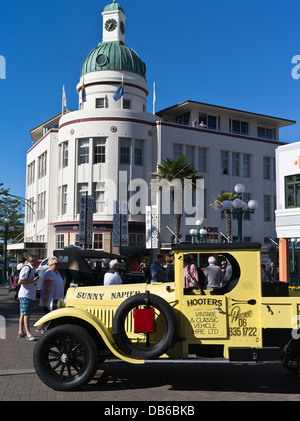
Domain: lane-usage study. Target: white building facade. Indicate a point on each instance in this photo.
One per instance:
(288, 209)
(105, 144)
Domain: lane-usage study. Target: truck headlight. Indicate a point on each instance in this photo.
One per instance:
(56, 304)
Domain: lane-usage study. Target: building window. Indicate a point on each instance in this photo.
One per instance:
(98, 193)
(138, 152)
(137, 240)
(267, 168)
(265, 133)
(246, 165)
(98, 241)
(84, 151)
(267, 208)
(177, 150)
(124, 151)
(64, 199)
(190, 154)
(235, 164)
(82, 189)
(29, 210)
(41, 205)
(63, 154)
(30, 173)
(292, 191)
(127, 104)
(211, 122)
(224, 163)
(100, 102)
(239, 127)
(42, 165)
(60, 241)
(99, 150)
(183, 119)
(202, 152)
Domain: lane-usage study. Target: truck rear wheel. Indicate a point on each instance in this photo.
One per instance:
(66, 357)
(146, 345)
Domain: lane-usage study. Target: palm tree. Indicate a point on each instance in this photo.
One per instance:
(176, 169)
(217, 205)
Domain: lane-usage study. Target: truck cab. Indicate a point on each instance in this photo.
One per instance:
(242, 320)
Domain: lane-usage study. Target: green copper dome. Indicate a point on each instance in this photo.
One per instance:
(113, 6)
(114, 55)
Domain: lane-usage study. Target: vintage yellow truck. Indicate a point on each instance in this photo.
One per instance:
(246, 320)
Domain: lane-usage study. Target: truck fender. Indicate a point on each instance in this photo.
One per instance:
(92, 320)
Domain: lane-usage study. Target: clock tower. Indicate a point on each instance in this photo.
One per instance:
(113, 23)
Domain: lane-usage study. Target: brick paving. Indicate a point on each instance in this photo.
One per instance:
(120, 382)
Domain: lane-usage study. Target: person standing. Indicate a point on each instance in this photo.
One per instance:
(170, 270)
(213, 274)
(27, 295)
(158, 274)
(52, 287)
(112, 276)
(190, 273)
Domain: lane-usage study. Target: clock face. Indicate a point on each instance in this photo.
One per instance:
(122, 26)
(101, 60)
(110, 25)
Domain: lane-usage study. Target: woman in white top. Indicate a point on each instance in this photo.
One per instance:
(52, 286)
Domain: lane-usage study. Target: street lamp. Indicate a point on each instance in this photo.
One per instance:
(239, 208)
(198, 233)
(6, 229)
(26, 202)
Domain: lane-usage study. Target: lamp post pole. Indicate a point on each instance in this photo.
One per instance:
(240, 208)
(199, 235)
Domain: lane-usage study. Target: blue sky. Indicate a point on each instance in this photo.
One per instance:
(232, 53)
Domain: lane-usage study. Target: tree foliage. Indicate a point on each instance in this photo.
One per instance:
(217, 205)
(13, 209)
(177, 169)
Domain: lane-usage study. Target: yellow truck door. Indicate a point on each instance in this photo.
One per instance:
(205, 316)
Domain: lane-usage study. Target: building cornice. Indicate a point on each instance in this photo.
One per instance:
(216, 132)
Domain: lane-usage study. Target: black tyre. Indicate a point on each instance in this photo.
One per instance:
(66, 357)
(150, 345)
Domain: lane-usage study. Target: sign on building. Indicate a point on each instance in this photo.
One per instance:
(116, 225)
(86, 209)
(152, 227)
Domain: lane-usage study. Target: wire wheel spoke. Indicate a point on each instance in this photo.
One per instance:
(65, 357)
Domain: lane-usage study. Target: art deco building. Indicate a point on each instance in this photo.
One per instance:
(105, 144)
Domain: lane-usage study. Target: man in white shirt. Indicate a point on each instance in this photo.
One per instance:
(112, 276)
(27, 294)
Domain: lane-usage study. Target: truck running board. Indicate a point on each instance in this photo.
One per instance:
(236, 355)
(254, 354)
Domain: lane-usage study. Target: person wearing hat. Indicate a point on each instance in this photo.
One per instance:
(112, 276)
(158, 274)
(170, 269)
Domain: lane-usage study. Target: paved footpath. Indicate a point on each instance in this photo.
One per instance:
(119, 382)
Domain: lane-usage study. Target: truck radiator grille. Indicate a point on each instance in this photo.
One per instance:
(106, 316)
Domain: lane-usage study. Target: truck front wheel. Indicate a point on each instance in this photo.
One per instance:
(65, 357)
